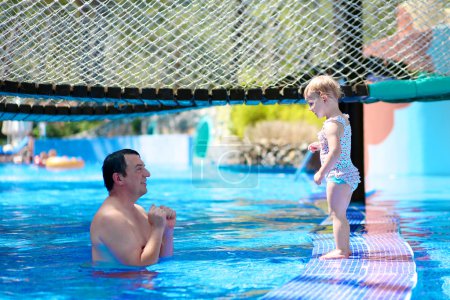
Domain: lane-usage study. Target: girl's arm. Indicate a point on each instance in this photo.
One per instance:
(313, 147)
(333, 132)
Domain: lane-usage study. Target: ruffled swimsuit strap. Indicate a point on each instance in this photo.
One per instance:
(340, 119)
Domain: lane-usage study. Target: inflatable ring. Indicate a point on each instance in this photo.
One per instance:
(64, 163)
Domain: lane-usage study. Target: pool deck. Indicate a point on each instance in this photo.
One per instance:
(381, 265)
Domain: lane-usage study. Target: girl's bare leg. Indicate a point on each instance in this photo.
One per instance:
(338, 198)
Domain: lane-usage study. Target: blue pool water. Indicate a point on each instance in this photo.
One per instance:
(235, 242)
(231, 241)
(423, 205)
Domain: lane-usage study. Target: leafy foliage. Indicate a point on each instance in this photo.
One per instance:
(62, 129)
(243, 116)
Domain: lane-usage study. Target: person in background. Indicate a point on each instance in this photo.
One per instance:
(52, 153)
(28, 153)
(122, 232)
(342, 177)
(40, 159)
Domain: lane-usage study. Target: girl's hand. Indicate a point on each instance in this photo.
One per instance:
(318, 177)
(313, 147)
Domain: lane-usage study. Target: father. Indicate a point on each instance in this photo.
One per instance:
(122, 231)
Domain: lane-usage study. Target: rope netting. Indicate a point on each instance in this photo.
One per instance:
(220, 44)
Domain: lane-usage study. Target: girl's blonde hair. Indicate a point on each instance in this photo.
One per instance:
(325, 84)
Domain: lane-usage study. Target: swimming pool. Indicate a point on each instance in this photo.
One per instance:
(229, 242)
(236, 242)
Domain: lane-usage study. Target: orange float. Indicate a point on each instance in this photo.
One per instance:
(63, 162)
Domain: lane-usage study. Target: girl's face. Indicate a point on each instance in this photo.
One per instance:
(316, 104)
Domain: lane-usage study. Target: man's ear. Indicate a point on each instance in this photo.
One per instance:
(117, 178)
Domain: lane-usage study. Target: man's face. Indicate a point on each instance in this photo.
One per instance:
(137, 174)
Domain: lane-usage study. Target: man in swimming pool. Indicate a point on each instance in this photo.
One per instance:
(122, 231)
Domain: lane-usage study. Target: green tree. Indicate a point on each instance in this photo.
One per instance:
(245, 115)
(62, 129)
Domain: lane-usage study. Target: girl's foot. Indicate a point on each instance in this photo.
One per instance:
(336, 254)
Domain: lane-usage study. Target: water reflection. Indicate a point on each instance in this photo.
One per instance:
(133, 279)
(423, 205)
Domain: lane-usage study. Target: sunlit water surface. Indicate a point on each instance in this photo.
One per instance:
(423, 204)
(233, 239)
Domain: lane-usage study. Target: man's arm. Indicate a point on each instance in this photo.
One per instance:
(167, 243)
(117, 235)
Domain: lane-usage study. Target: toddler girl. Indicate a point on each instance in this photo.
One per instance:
(342, 177)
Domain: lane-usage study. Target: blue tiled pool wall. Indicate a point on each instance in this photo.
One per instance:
(174, 149)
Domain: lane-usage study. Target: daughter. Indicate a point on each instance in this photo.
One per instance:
(342, 177)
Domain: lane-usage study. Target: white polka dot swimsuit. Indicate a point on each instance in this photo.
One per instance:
(343, 168)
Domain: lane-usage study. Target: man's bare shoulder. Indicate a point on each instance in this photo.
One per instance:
(108, 216)
(140, 209)
(108, 210)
